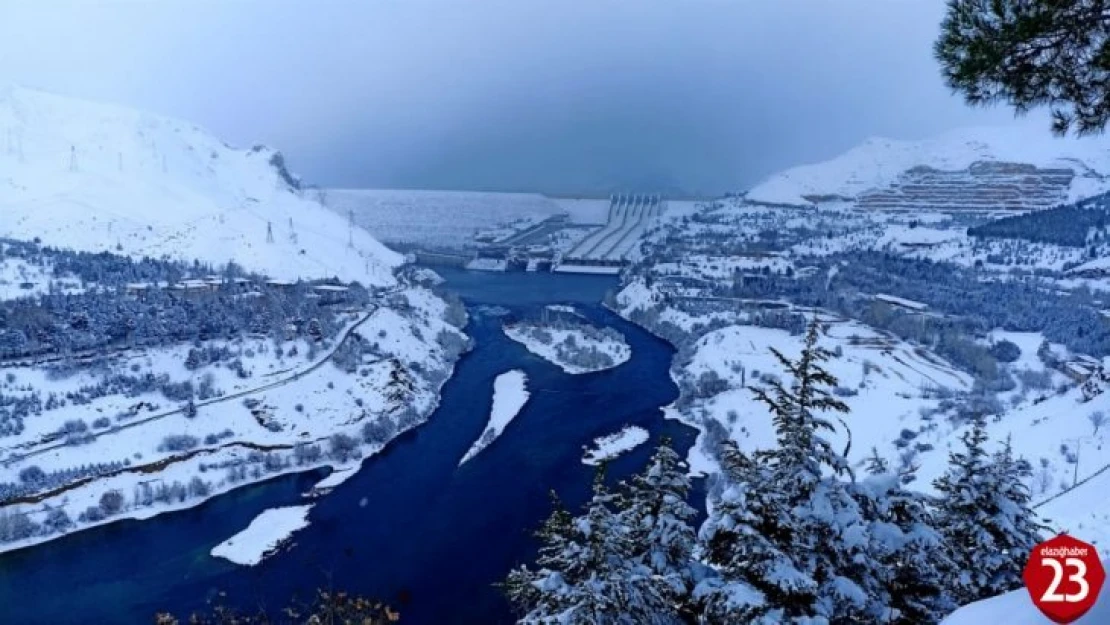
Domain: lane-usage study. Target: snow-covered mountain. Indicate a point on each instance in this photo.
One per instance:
(879, 164)
(98, 177)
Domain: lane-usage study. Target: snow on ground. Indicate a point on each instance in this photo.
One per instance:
(18, 278)
(1016, 608)
(245, 432)
(264, 534)
(1083, 512)
(510, 393)
(561, 346)
(328, 484)
(878, 161)
(882, 381)
(439, 219)
(97, 177)
(612, 445)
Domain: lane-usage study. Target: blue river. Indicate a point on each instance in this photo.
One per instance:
(412, 527)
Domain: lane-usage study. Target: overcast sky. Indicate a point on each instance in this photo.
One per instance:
(705, 96)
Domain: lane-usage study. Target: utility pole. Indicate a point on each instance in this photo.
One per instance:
(350, 227)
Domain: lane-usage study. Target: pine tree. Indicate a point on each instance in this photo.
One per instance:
(802, 451)
(656, 517)
(586, 574)
(985, 518)
(1030, 53)
(786, 533)
(913, 563)
(1016, 518)
(876, 464)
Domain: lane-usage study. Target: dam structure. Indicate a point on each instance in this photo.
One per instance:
(607, 250)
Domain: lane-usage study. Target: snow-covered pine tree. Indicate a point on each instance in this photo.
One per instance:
(914, 565)
(786, 525)
(802, 451)
(657, 519)
(586, 575)
(729, 541)
(985, 518)
(1013, 500)
(520, 586)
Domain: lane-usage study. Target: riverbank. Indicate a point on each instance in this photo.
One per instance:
(411, 526)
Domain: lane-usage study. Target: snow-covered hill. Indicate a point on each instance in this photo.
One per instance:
(99, 177)
(878, 163)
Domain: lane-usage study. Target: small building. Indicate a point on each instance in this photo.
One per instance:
(137, 289)
(901, 302)
(281, 285)
(1077, 370)
(330, 294)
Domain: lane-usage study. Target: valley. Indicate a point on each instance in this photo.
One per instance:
(261, 385)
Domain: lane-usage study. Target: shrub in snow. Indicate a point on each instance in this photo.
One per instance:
(111, 502)
(342, 447)
(198, 487)
(709, 383)
(32, 475)
(379, 431)
(16, 525)
(1097, 419)
(56, 521)
(1005, 351)
(304, 453)
(273, 462)
(299, 407)
(101, 422)
(74, 426)
(178, 442)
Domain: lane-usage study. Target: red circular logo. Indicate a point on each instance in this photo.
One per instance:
(1063, 577)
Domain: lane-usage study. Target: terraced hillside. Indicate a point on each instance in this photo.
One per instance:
(983, 185)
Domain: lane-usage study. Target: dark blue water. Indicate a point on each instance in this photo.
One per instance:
(431, 538)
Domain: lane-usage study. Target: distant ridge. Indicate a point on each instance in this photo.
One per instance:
(1009, 164)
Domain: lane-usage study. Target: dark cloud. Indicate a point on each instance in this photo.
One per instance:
(700, 95)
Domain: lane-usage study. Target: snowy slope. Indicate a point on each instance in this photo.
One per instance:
(98, 177)
(1016, 608)
(878, 161)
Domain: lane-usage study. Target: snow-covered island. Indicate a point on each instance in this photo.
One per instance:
(265, 534)
(574, 346)
(612, 445)
(510, 393)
